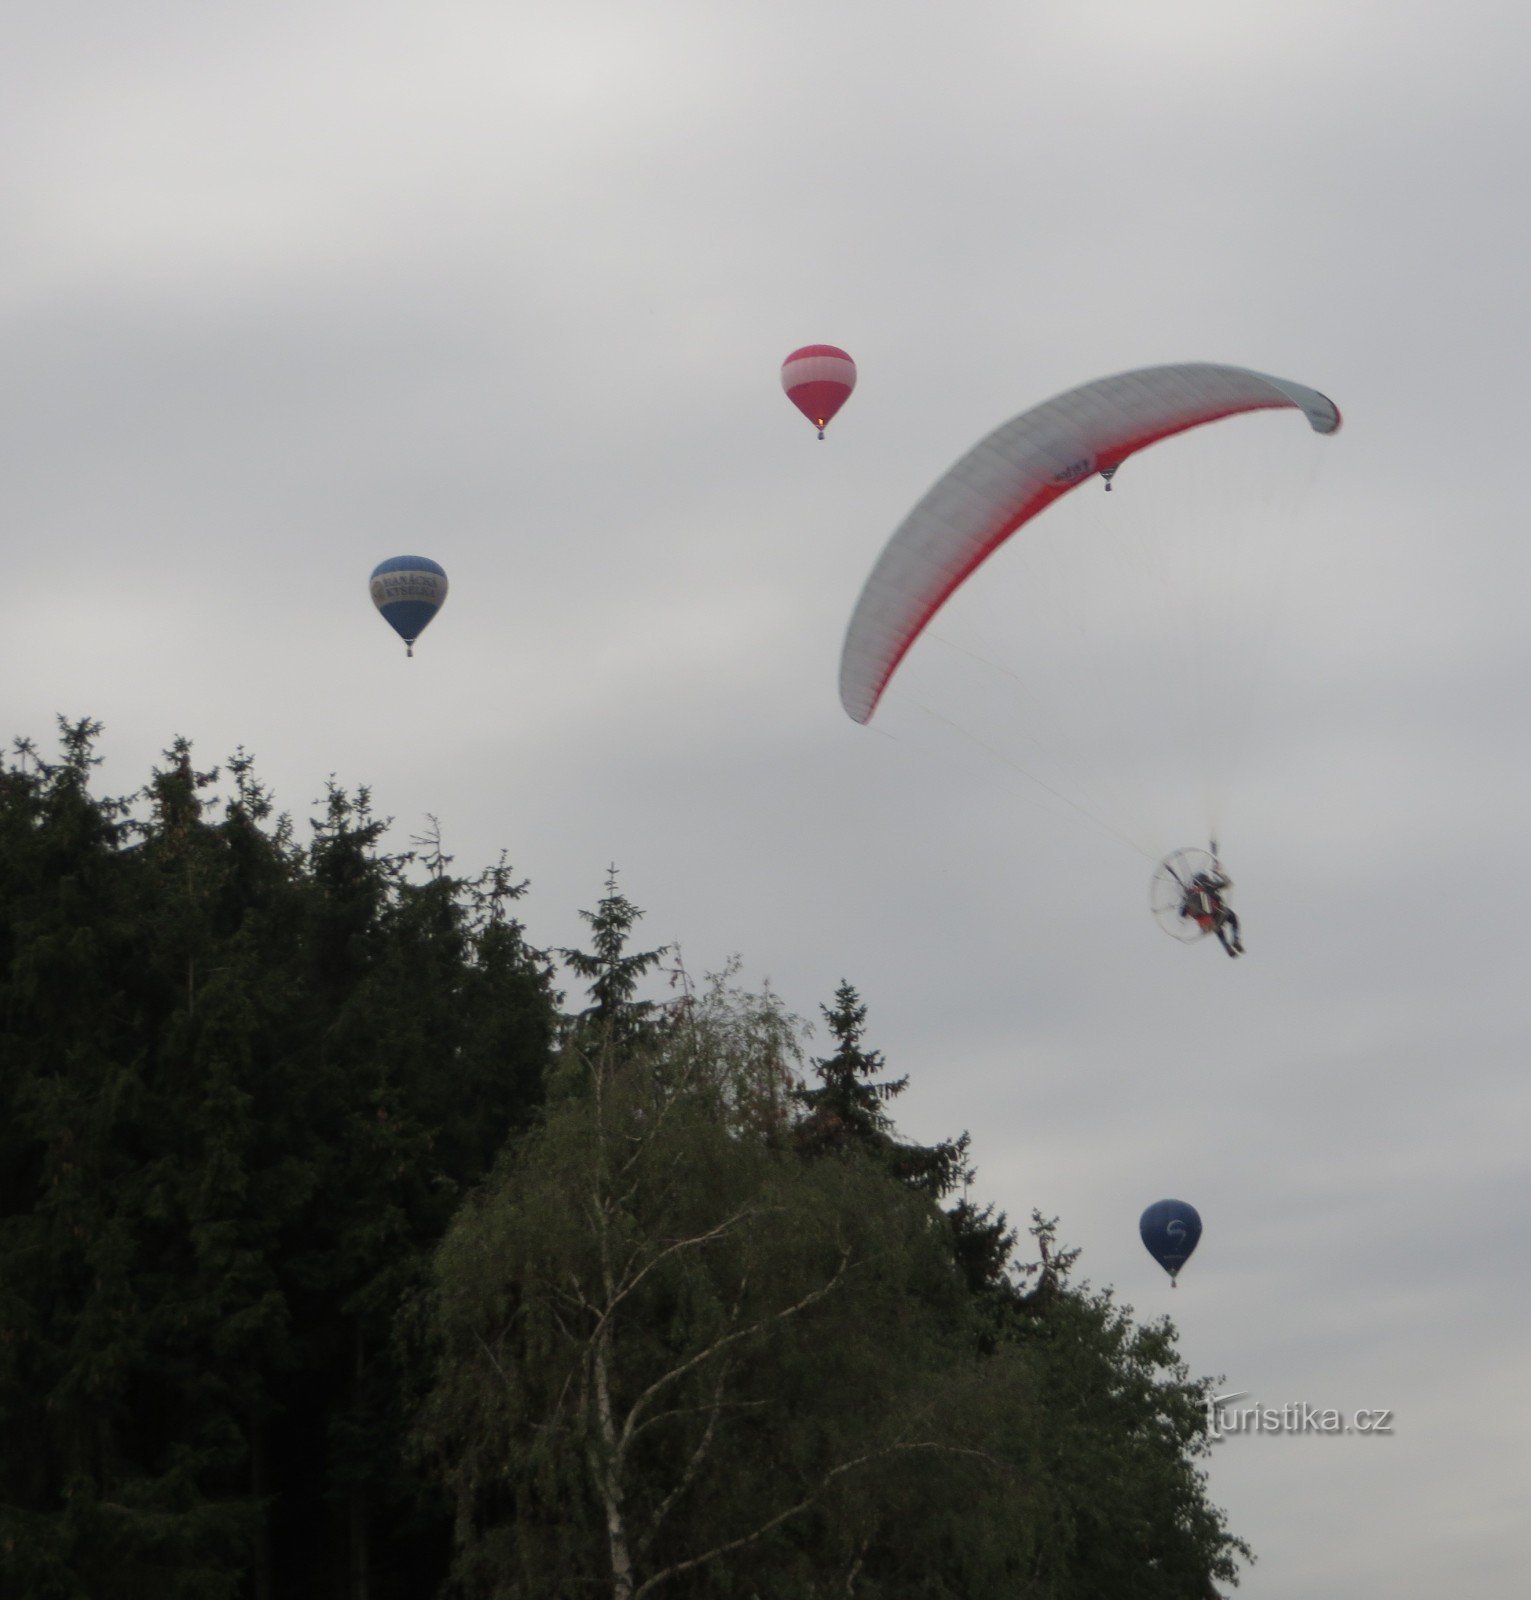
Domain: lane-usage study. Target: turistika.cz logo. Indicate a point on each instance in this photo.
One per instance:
(1225, 1416)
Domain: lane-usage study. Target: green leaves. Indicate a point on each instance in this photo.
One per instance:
(680, 1350)
(298, 1154)
(652, 1331)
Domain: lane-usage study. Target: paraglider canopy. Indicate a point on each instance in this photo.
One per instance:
(409, 591)
(818, 380)
(1170, 1231)
(1015, 474)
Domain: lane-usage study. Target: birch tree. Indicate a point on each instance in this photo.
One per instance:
(676, 1358)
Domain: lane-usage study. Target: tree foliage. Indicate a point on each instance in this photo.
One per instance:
(686, 1346)
(245, 1084)
(336, 1259)
(696, 1353)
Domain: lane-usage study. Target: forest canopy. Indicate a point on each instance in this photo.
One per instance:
(354, 1245)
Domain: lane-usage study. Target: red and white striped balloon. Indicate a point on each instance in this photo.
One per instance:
(818, 380)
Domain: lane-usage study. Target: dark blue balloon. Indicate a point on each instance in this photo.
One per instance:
(408, 590)
(1170, 1230)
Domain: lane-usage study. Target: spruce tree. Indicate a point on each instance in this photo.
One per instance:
(616, 1019)
(247, 1086)
(848, 1110)
(243, 1085)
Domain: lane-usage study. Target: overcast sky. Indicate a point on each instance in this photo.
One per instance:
(285, 291)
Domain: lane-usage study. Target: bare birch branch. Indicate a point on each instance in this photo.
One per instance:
(690, 1470)
(772, 1523)
(629, 1284)
(724, 1342)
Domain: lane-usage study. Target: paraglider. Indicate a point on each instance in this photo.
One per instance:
(818, 380)
(1188, 898)
(409, 591)
(1170, 1230)
(1015, 474)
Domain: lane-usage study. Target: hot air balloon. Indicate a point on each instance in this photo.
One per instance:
(1170, 1230)
(818, 380)
(409, 591)
(1016, 473)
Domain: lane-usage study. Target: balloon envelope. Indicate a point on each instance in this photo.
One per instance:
(1170, 1230)
(408, 590)
(818, 380)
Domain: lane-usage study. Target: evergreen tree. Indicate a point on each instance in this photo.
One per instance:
(848, 1108)
(676, 1353)
(696, 1327)
(427, 1034)
(242, 1088)
(136, 1308)
(616, 1018)
(848, 1111)
(1120, 1406)
(1124, 1508)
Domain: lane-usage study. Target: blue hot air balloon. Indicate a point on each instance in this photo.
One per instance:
(1170, 1229)
(408, 590)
